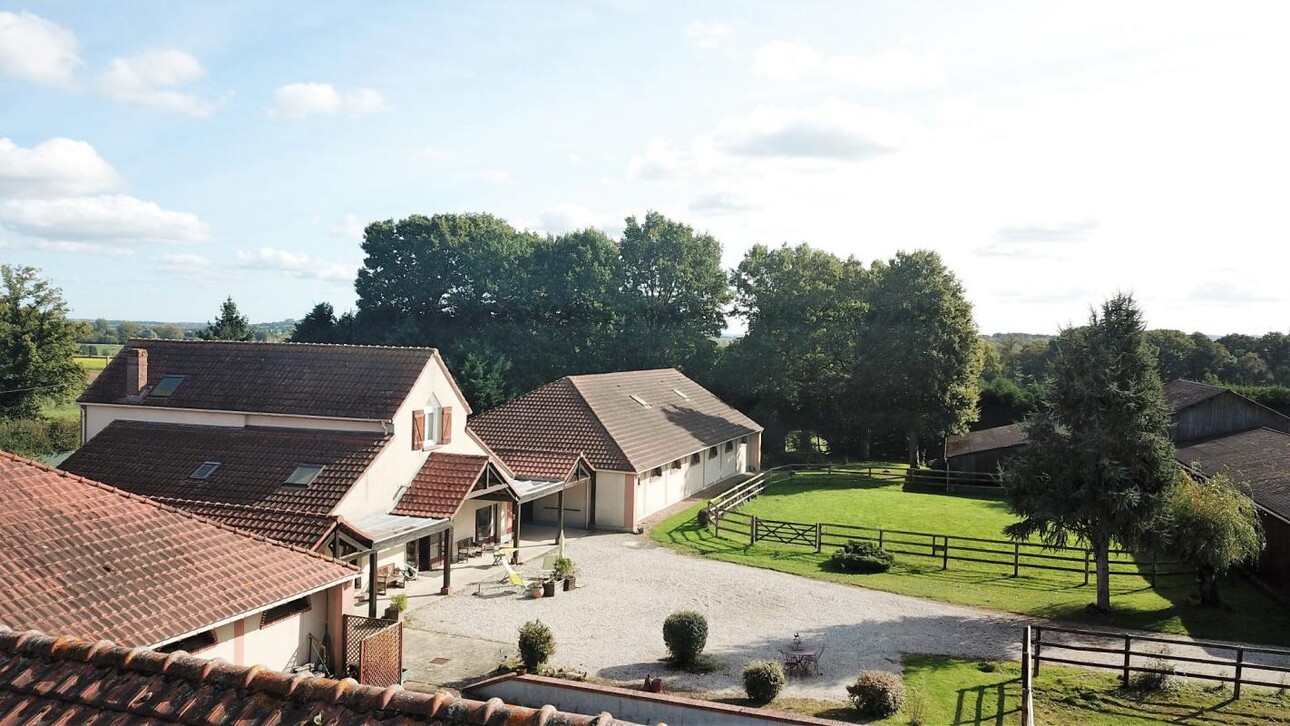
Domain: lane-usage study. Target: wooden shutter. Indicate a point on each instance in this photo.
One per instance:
(418, 429)
(445, 425)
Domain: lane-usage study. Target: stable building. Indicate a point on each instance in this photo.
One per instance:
(617, 447)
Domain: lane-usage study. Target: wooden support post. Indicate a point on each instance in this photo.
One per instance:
(1087, 555)
(515, 533)
(591, 505)
(752, 531)
(1027, 682)
(945, 552)
(879, 539)
(371, 584)
(1034, 656)
(819, 539)
(1240, 666)
(1016, 558)
(1128, 650)
(448, 554)
(559, 517)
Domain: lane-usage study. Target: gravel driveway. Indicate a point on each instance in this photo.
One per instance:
(612, 625)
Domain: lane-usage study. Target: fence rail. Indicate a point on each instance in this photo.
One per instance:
(1119, 655)
(723, 514)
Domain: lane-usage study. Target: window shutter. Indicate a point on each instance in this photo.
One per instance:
(445, 425)
(418, 429)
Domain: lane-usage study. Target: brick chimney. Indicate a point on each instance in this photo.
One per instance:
(136, 371)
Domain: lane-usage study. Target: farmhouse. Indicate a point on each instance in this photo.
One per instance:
(91, 561)
(621, 445)
(314, 445)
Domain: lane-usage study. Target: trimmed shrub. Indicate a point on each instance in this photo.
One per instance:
(537, 645)
(763, 680)
(862, 556)
(686, 633)
(877, 694)
(1163, 682)
(39, 436)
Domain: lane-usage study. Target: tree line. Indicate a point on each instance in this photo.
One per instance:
(884, 354)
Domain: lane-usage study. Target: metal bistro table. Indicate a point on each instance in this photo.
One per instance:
(802, 659)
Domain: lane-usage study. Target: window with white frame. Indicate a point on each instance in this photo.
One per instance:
(433, 425)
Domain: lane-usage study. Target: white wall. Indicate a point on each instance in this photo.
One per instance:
(280, 646)
(611, 503)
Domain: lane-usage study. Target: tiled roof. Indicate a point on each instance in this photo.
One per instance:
(441, 486)
(157, 460)
(348, 381)
(82, 558)
(999, 437)
(292, 526)
(603, 417)
(1181, 394)
(44, 680)
(540, 465)
(1259, 458)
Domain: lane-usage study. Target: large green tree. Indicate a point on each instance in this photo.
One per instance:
(1098, 464)
(319, 326)
(37, 344)
(918, 353)
(1213, 525)
(230, 325)
(673, 295)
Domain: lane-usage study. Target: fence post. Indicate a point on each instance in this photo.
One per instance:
(819, 538)
(880, 538)
(1087, 553)
(1153, 570)
(752, 531)
(1034, 657)
(1128, 646)
(945, 552)
(716, 522)
(1016, 558)
(1236, 683)
(1027, 682)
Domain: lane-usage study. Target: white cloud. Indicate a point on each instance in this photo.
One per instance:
(349, 227)
(57, 167)
(834, 130)
(659, 161)
(185, 265)
(115, 218)
(567, 218)
(37, 50)
(721, 202)
(433, 153)
(1039, 240)
(153, 79)
(80, 248)
(893, 70)
(295, 264)
(300, 100)
(493, 176)
(706, 35)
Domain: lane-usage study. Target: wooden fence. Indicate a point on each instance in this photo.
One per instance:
(1115, 651)
(723, 516)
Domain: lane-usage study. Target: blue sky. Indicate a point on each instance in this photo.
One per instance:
(156, 157)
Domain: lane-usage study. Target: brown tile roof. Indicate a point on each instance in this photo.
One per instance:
(291, 526)
(1181, 394)
(44, 680)
(1260, 458)
(999, 437)
(441, 486)
(536, 465)
(82, 558)
(157, 460)
(349, 381)
(598, 416)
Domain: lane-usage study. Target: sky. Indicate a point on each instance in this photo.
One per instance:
(158, 157)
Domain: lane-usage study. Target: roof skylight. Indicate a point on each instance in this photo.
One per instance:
(304, 475)
(166, 386)
(680, 393)
(638, 399)
(205, 470)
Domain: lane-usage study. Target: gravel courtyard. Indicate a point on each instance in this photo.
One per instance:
(612, 625)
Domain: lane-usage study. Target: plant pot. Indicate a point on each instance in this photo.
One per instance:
(570, 582)
(535, 591)
(393, 613)
(548, 588)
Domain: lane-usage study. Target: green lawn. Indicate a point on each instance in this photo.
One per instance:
(92, 363)
(1248, 614)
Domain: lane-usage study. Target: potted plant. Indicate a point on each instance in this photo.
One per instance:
(535, 589)
(567, 571)
(548, 587)
(398, 603)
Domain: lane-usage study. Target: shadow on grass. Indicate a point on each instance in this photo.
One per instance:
(988, 704)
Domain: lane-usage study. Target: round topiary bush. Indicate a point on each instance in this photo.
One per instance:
(537, 645)
(860, 556)
(877, 694)
(686, 633)
(763, 680)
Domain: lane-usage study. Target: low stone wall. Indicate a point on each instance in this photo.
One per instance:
(628, 705)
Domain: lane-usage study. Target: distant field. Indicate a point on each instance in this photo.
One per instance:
(92, 363)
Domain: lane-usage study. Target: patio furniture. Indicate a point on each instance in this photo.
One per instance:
(512, 581)
(387, 576)
(499, 553)
(801, 659)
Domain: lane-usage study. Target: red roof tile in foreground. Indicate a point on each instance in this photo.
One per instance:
(71, 681)
(291, 526)
(300, 379)
(441, 486)
(628, 421)
(82, 558)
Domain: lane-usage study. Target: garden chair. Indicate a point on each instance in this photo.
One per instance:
(811, 661)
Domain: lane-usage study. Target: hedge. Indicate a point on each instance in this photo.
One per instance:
(39, 436)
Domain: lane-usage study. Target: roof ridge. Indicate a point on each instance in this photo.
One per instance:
(284, 343)
(167, 508)
(606, 374)
(258, 507)
(222, 675)
(595, 417)
(254, 427)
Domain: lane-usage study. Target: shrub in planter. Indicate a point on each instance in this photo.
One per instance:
(861, 556)
(763, 680)
(877, 694)
(537, 645)
(686, 633)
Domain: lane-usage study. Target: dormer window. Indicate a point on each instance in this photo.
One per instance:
(166, 386)
(205, 470)
(431, 425)
(304, 475)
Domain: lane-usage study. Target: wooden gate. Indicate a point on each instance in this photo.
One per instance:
(373, 650)
(785, 532)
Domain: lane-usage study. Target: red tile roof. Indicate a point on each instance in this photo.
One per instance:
(82, 558)
(602, 416)
(44, 680)
(536, 465)
(1259, 459)
(304, 379)
(157, 460)
(441, 486)
(291, 526)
